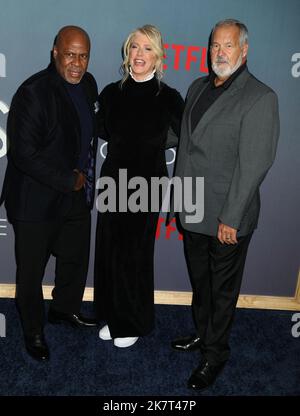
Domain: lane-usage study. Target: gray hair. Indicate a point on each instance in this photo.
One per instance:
(233, 22)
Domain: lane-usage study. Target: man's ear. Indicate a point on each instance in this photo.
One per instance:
(54, 52)
(245, 50)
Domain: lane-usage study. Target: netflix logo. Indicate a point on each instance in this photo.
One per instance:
(185, 57)
(166, 232)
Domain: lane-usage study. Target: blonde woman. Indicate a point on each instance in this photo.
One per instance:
(134, 116)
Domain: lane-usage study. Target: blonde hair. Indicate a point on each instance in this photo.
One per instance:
(155, 38)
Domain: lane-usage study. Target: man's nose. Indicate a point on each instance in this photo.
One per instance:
(221, 51)
(76, 60)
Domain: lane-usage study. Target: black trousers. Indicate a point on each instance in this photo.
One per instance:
(215, 272)
(68, 239)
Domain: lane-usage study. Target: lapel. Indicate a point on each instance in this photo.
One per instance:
(193, 98)
(220, 103)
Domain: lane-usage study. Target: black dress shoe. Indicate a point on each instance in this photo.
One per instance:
(36, 347)
(205, 375)
(55, 317)
(190, 343)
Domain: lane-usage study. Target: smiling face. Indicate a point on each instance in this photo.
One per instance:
(71, 55)
(226, 53)
(142, 58)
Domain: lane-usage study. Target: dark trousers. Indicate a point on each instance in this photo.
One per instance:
(68, 239)
(215, 272)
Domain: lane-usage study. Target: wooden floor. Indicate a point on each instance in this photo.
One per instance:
(184, 298)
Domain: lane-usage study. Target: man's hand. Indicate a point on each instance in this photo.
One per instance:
(80, 180)
(227, 234)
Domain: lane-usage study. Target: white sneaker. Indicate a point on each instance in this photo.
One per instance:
(125, 342)
(104, 333)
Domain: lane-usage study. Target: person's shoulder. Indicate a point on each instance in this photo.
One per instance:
(198, 81)
(258, 87)
(171, 96)
(110, 89)
(35, 85)
(253, 91)
(167, 90)
(36, 79)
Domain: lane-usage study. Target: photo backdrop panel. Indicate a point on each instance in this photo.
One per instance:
(27, 32)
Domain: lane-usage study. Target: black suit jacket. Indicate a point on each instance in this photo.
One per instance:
(43, 130)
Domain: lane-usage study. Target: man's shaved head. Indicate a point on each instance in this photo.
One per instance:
(68, 31)
(71, 53)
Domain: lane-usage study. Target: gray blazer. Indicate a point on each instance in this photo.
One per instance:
(232, 147)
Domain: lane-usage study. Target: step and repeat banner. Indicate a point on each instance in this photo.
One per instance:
(27, 31)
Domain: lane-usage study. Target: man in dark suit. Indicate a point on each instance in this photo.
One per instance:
(229, 136)
(49, 185)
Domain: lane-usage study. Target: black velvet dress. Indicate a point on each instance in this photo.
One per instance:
(135, 120)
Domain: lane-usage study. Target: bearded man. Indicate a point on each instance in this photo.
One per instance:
(229, 136)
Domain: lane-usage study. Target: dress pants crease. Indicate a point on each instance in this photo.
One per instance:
(215, 271)
(67, 238)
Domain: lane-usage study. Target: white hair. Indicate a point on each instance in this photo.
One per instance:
(233, 22)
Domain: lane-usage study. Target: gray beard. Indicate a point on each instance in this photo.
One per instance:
(227, 72)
